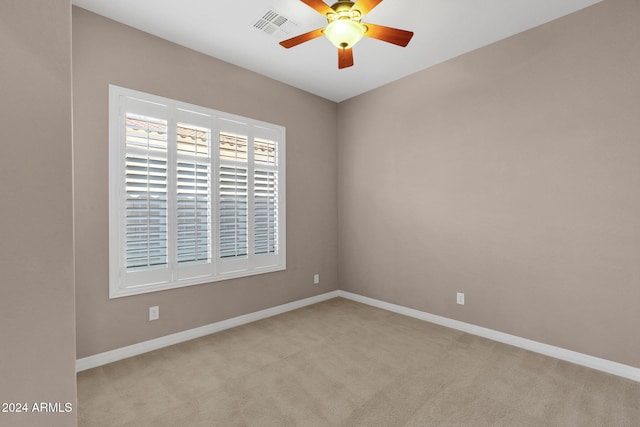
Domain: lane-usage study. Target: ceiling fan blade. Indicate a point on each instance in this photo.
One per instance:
(388, 34)
(345, 58)
(295, 41)
(319, 6)
(365, 6)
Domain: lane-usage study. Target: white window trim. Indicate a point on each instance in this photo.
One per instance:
(253, 264)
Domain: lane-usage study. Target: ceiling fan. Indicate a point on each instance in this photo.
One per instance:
(345, 28)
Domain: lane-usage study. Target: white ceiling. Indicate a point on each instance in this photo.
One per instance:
(225, 29)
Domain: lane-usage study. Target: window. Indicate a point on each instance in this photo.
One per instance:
(195, 195)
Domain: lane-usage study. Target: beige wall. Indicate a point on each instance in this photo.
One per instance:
(37, 337)
(511, 174)
(106, 52)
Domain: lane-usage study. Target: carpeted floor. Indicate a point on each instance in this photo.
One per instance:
(341, 363)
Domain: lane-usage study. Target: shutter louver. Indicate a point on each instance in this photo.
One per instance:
(193, 194)
(145, 192)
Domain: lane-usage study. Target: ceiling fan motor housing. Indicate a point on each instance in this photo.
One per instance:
(342, 6)
(344, 10)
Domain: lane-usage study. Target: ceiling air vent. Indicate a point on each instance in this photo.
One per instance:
(275, 24)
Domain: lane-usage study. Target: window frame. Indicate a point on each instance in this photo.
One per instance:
(125, 283)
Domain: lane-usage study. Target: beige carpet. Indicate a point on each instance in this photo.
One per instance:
(341, 363)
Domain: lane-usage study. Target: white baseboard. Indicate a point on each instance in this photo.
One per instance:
(604, 365)
(597, 363)
(154, 344)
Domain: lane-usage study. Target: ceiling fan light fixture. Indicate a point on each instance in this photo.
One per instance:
(344, 33)
(345, 28)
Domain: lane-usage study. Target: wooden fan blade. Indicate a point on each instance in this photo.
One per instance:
(365, 6)
(319, 6)
(295, 41)
(388, 34)
(345, 58)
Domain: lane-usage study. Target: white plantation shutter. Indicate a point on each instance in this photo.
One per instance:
(265, 211)
(194, 213)
(195, 195)
(234, 190)
(233, 212)
(233, 196)
(146, 192)
(265, 197)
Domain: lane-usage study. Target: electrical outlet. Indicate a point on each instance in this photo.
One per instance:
(316, 279)
(154, 313)
(460, 298)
